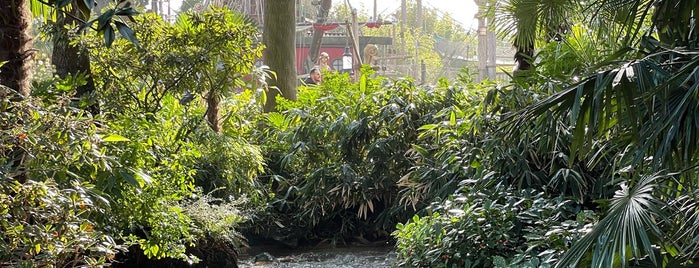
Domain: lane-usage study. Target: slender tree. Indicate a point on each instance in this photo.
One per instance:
(15, 68)
(280, 53)
(525, 21)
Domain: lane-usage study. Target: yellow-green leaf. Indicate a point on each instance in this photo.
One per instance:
(114, 137)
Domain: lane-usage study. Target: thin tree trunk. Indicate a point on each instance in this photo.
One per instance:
(15, 47)
(212, 111)
(154, 7)
(280, 54)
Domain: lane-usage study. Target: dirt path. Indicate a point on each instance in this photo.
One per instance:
(325, 257)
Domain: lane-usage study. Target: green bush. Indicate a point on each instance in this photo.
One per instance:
(56, 162)
(491, 226)
(215, 222)
(126, 181)
(183, 170)
(45, 225)
(335, 155)
(228, 164)
(168, 97)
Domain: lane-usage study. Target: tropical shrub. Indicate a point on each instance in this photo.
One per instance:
(449, 149)
(165, 218)
(170, 111)
(469, 148)
(201, 56)
(214, 222)
(633, 112)
(607, 123)
(49, 225)
(55, 163)
(490, 225)
(335, 155)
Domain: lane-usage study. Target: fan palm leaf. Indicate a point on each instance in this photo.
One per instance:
(629, 226)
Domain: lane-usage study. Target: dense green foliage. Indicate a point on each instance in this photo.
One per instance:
(586, 159)
(58, 217)
(139, 174)
(334, 156)
(491, 226)
(584, 128)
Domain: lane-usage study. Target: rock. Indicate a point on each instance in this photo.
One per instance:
(264, 258)
(286, 259)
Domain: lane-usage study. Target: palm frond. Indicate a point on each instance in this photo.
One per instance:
(517, 14)
(630, 226)
(619, 21)
(676, 21)
(651, 103)
(41, 9)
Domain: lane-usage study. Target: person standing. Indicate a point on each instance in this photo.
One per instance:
(324, 58)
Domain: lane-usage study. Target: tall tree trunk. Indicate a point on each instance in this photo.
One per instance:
(70, 59)
(15, 46)
(15, 73)
(317, 41)
(280, 54)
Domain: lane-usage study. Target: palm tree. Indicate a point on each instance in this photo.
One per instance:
(642, 103)
(523, 21)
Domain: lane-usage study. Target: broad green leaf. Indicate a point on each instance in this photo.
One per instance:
(126, 12)
(126, 32)
(63, 3)
(104, 19)
(85, 6)
(362, 83)
(428, 127)
(89, 3)
(143, 177)
(86, 25)
(114, 138)
(135, 177)
(108, 36)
